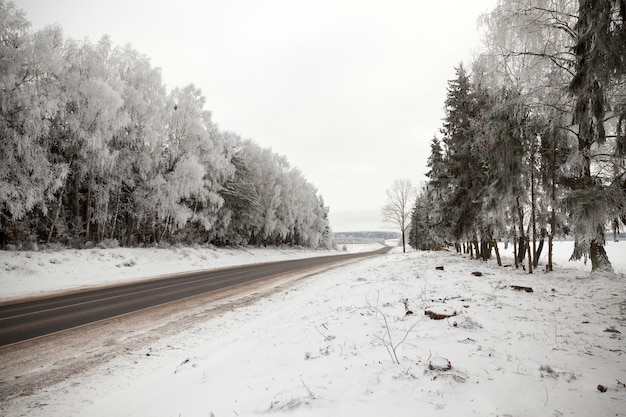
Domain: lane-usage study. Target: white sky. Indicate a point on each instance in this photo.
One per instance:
(350, 91)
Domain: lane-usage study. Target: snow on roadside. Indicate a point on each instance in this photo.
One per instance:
(323, 349)
(30, 273)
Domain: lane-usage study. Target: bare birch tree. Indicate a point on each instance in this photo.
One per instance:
(397, 208)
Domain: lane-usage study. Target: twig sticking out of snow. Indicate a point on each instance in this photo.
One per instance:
(387, 339)
(407, 310)
(186, 361)
(311, 395)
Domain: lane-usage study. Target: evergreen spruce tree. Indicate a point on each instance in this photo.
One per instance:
(463, 159)
(599, 63)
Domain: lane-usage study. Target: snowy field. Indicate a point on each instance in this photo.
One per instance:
(328, 346)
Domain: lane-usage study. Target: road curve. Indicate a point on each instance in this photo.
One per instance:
(20, 321)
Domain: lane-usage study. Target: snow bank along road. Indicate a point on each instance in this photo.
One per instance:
(28, 319)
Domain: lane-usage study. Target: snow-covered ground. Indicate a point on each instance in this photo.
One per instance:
(323, 347)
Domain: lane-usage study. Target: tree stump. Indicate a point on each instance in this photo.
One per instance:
(439, 364)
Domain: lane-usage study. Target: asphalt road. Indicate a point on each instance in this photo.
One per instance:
(25, 320)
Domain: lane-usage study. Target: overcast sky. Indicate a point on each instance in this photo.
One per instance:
(351, 92)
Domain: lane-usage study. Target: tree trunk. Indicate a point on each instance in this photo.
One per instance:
(486, 244)
(131, 228)
(403, 242)
(494, 244)
(550, 240)
(477, 248)
(78, 229)
(88, 215)
(117, 211)
(515, 248)
(533, 216)
(56, 213)
(599, 258)
(60, 203)
(549, 267)
(523, 239)
(538, 253)
(521, 249)
(165, 227)
(530, 259)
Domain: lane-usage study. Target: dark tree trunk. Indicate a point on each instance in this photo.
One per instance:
(515, 249)
(494, 244)
(521, 249)
(599, 258)
(539, 250)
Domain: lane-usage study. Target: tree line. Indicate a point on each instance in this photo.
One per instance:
(533, 142)
(95, 148)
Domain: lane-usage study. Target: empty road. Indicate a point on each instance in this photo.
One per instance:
(25, 320)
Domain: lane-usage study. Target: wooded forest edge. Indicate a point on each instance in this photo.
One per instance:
(96, 151)
(533, 142)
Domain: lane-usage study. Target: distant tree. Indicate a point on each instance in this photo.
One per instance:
(397, 208)
(435, 193)
(423, 230)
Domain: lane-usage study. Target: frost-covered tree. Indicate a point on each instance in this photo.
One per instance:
(92, 116)
(276, 201)
(424, 233)
(435, 193)
(574, 46)
(29, 102)
(137, 147)
(241, 208)
(94, 148)
(195, 162)
(599, 64)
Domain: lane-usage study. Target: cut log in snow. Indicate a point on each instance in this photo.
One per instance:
(612, 329)
(477, 274)
(440, 314)
(440, 268)
(521, 288)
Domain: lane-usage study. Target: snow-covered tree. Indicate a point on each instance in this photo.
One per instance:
(94, 147)
(138, 146)
(30, 65)
(579, 45)
(463, 159)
